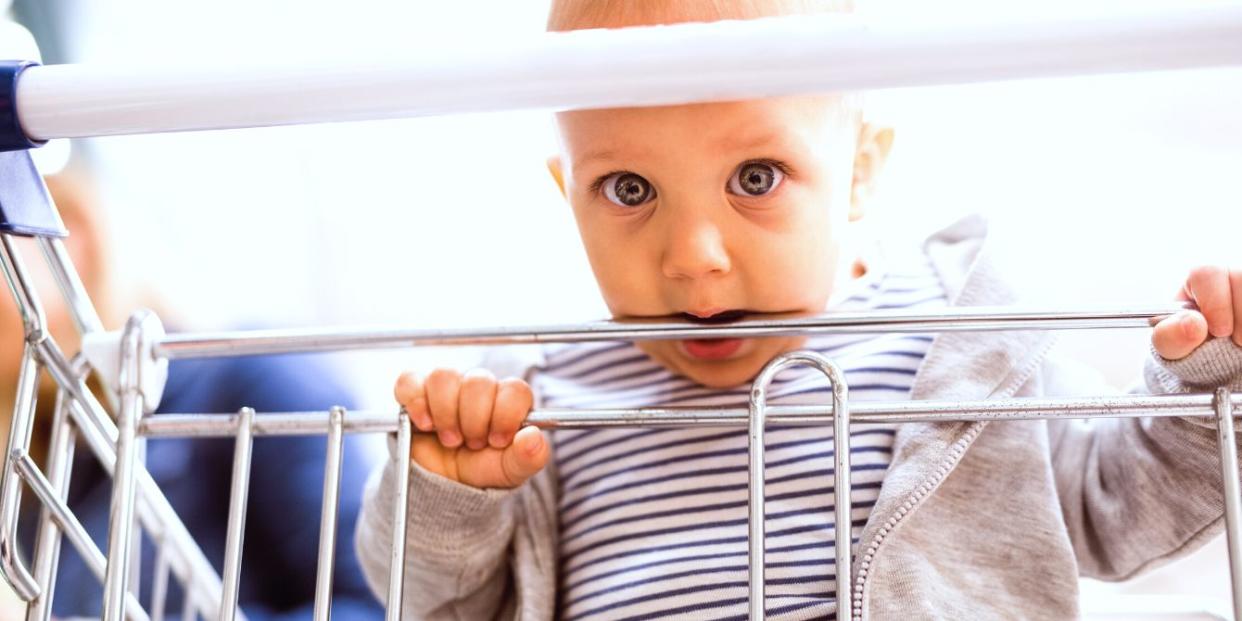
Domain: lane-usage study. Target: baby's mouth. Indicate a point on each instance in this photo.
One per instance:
(721, 317)
(716, 348)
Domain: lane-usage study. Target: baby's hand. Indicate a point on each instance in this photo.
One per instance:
(476, 420)
(1217, 291)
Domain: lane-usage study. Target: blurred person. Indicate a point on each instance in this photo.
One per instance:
(282, 520)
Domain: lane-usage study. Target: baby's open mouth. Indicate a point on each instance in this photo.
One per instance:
(721, 317)
(713, 349)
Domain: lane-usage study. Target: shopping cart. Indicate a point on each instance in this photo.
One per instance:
(38, 103)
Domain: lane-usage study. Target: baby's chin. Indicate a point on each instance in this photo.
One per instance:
(732, 371)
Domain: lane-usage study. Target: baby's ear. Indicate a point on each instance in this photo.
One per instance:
(874, 143)
(554, 167)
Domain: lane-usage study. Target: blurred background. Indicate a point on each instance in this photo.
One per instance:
(1112, 186)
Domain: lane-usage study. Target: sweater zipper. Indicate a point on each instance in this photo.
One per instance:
(955, 454)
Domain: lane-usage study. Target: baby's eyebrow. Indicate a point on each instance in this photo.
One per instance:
(592, 156)
(742, 142)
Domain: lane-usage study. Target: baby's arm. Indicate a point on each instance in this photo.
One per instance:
(462, 501)
(1136, 493)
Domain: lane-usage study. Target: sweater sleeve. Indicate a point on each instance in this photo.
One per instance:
(456, 549)
(1139, 492)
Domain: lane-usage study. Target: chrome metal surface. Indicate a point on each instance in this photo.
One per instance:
(953, 319)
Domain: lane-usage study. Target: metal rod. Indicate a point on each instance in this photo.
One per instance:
(1233, 493)
(73, 530)
(843, 483)
(121, 509)
(238, 497)
(83, 312)
(188, 612)
(758, 413)
(396, 562)
(47, 540)
(328, 514)
(20, 427)
(25, 297)
(157, 515)
(647, 66)
(159, 586)
(386, 421)
(274, 424)
(134, 582)
(21, 287)
(756, 517)
(979, 318)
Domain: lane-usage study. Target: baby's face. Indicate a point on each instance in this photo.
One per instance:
(712, 210)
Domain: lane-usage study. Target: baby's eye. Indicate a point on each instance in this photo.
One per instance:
(627, 189)
(755, 179)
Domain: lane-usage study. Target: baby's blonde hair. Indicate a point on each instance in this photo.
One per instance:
(584, 14)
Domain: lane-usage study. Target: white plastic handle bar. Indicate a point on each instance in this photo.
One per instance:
(625, 67)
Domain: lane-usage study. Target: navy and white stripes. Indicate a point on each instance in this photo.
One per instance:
(653, 521)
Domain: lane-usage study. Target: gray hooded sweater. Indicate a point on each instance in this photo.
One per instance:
(974, 520)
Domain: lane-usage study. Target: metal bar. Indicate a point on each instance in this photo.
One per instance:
(1233, 493)
(980, 318)
(47, 540)
(34, 322)
(328, 514)
(187, 601)
(396, 560)
(134, 582)
(83, 312)
(158, 517)
(275, 424)
(842, 485)
(758, 414)
(238, 497)
(647, 66)
(756, 516)
(121, 509)
(385, 421)
(20, 427)
(159, 586)
(73, 530)
(21, 289)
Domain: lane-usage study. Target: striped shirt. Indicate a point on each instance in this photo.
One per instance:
(653, 521)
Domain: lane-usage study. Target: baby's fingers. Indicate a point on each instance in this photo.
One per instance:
(504, 468)
(513, 402)
(443, 388)
(478, 397)
(1179, 334)
(1209, 287)
(525, 457)
(409, 393)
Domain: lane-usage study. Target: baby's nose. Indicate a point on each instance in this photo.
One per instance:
(695, 249)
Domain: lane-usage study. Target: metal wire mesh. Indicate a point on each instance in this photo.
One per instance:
(138, 504)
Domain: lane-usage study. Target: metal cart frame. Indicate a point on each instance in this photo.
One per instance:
(38, 103)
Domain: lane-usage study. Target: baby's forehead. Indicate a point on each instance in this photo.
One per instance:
(723, 126)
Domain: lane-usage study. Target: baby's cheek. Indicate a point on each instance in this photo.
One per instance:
(799, 273)
(628, 290)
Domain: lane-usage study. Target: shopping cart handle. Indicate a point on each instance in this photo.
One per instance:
(12, 136)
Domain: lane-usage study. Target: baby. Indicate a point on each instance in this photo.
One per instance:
(719, 210)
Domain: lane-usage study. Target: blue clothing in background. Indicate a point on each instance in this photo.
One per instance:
(286, 487)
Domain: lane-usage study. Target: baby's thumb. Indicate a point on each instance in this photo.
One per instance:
(525, 456)
(1178, 335)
